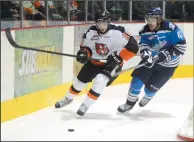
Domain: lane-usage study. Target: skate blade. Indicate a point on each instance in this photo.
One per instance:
(125, 112)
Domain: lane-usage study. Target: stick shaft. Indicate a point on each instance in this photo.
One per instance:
(134, 67)
(15, 45)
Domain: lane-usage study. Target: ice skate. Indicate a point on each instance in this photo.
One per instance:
(82, 110)
(144, 101)
(127, 106)
(63, 102)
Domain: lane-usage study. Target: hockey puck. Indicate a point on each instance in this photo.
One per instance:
(70, 130)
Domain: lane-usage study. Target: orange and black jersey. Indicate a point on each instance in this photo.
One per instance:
(116, 38)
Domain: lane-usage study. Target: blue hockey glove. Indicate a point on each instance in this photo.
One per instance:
(146, 56)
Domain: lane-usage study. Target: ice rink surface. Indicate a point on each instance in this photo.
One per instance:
(159, 120)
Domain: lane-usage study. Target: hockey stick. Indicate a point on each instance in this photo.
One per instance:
(134, 67)
(14, 44)
(125, 70)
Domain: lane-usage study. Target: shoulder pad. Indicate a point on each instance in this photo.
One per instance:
(144, 29)
(119, 28)
(166, 25)
(93, 27)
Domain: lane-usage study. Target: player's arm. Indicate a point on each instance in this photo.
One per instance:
(130, 48)
(84, 52)
(144, 41)
(178, 41)
(144, 49)
(116, 59)
(178, 46)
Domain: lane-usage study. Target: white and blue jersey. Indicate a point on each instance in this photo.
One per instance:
(169, 37)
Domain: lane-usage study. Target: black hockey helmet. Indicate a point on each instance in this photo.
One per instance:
(102, 15)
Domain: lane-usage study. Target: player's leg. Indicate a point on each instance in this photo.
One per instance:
(86, 74)
(100, 82)
(132, 96)
(98, 86)
(155, 83)
(140, 77)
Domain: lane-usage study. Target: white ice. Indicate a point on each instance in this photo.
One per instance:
(159, 120)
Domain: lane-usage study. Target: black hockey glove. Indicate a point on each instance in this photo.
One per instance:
(112, 79)
(113, 61)
(164, 56)
(82, 55)
(146, 56)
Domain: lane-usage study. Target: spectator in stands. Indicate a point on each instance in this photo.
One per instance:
(138, 11)
(81, 11)
(140, 7)
(41, 7)
(62, 7)
(73, 10)
(115, 9)
(93, 7)
(31, 13)
(10, 10)
(125, 8)
(190, 10)
(10, 14)
(36, 11)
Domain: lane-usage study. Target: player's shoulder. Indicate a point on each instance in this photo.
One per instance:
(117, 28)
(92, 29)
(120, 31)
(167, 25)
(144, 29)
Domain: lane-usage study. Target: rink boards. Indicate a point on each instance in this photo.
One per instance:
(32, 81)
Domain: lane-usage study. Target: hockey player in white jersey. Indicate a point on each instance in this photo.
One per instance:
(159, 39)
(102, 41)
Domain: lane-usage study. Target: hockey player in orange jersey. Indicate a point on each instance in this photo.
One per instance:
(102, 41)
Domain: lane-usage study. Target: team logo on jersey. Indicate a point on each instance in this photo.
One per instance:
(157, 42)
(95, 37)
(101, 49)
(152, 37)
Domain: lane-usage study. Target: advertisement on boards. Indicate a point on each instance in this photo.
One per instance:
(35, 71)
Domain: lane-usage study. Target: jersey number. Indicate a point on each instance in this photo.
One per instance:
(180, 35)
